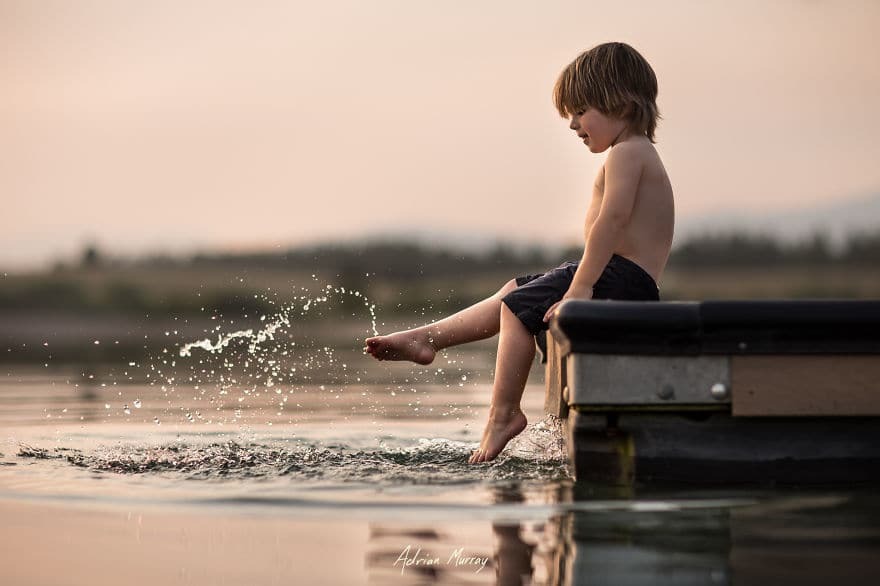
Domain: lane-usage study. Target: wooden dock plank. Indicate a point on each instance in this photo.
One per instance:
(555, 402)
(805, 385)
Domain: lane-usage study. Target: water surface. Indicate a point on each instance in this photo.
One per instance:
(334, 480)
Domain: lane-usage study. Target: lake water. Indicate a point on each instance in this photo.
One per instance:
(320, 466)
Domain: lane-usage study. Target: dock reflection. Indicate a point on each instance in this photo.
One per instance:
(675, 538)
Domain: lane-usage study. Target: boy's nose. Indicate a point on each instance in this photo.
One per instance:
(573, 124)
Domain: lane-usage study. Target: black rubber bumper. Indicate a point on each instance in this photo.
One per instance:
(719, 327)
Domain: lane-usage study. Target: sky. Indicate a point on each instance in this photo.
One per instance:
(179, 126)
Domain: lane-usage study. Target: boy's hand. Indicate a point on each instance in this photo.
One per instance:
(552, 310)
(569, 295)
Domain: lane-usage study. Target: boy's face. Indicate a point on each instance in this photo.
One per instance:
(597, 130)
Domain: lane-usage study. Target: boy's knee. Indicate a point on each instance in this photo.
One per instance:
(507, 288)
(506, 312)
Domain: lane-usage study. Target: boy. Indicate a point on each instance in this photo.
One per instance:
(609, 93)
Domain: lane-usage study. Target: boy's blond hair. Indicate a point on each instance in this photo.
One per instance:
(614, 79)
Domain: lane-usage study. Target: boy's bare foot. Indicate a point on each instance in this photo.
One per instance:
(411, 345)
(503, 426)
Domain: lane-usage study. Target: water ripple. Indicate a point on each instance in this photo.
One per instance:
(432, 461)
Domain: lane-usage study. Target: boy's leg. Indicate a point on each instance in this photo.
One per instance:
(477, 322)
(516, 351)
(621, 279)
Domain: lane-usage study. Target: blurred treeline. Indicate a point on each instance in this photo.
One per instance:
(128, 301)
(756, 250)
(406, 276)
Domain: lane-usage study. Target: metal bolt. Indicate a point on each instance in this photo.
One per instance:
(719, 391)
(666, 393)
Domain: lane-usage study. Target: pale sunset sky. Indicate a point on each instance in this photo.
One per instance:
(178, 126)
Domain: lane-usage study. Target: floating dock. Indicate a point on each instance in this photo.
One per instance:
(718, 391)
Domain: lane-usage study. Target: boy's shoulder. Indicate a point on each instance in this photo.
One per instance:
(634, 147)
(630, 154)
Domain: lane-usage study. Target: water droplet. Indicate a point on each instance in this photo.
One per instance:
(126, 409)
(137, 403)
(156, 421)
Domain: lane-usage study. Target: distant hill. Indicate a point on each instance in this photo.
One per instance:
(837, 220)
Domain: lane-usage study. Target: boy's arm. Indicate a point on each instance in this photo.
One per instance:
(623, 169)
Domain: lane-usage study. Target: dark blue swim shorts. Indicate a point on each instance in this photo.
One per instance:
(622, 279)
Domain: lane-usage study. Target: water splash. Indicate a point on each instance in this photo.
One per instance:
(544, 440)
(281, 319)
(258, 369)
(431, 461)
(222, 342)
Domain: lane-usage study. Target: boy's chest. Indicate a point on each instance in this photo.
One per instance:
(597, 196)
(599, 183)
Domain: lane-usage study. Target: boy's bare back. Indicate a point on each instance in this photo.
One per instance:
(647, 236)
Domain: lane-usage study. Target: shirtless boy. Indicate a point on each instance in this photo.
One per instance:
(609, 94)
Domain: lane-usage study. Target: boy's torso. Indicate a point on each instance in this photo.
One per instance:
(647, 236)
